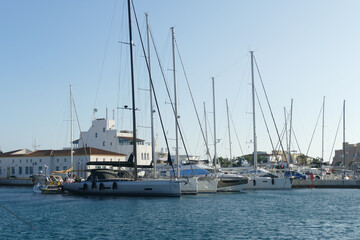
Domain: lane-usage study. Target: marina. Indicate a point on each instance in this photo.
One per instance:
(272, 154)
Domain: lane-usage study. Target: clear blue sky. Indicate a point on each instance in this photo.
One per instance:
(305, 50)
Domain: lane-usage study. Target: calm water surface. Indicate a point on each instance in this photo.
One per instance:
(294, 214)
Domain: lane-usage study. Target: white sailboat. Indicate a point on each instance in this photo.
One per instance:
(258, 182)
(102, 182)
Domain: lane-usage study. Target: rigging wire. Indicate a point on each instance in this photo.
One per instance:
(312, 136)
(267, 99)
(17, 216)
(337, 130)
(192, 97)
(237, 137)
(105, 53)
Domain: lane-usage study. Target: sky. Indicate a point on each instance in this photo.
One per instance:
(305, 51)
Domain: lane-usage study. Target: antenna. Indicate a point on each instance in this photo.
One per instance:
(95, 111)
(34, 145)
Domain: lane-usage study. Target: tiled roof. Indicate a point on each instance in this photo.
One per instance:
(66, 152)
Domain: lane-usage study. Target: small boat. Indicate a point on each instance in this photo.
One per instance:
(48, 184)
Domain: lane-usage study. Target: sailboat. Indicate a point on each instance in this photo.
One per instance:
(257, 181)
(106, 182)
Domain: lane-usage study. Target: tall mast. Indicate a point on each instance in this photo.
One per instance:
(175, 103)
(253, 103)
(71, 130)
(290, 130)
(286, 135)
(227, 110)
(323, 131)
(215, 155)
(206, 135)
(344, 151)
(132, 92)
(151, 100)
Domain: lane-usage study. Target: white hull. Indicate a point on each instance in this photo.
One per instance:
(190, 186)
(207, 185)
(267, 183)
(147, 188)
(231, 184)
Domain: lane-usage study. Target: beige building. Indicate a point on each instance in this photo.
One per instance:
(352, 155)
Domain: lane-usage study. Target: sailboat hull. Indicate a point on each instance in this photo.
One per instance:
(267, 183)
(151, 188)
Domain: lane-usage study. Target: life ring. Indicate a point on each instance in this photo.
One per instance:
(101, 186)
(85, 187)
(114, 186)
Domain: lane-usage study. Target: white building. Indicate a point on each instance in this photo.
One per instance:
(103, 135)
(22, 164)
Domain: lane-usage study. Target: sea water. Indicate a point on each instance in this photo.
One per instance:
(291, 214)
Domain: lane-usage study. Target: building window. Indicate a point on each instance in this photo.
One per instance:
(40, 160)
(64, 168)
(20, 170)
(14, 160)
(103, 159)
(96, 159)
(95, 135)
(142, 156)
(31, 160)
(13, 170)
(103, 143)
(57, 168)
(64, 159)
(31, 170)
(103, 129)
(20, 161)
(110, 143)
(57, 160)
(26, 170)
(40, 169)
(0, 171)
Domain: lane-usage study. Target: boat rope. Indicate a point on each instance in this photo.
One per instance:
(237, 137)
(20, 218)
(168, 93)
(268, 103)
(106, 47)
(192, 99)
(312, 136)
(152, 86)
(337, 130)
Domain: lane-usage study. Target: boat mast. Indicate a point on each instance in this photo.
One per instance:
(71, 131)
(175, 107)
(227, 110)
(323, 131)
(290, 130)
(206, 136)
(151, 100)
(132, 92)
(253, 103)
(344, 151)
(215, 155)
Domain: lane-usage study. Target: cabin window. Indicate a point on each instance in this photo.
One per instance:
(95, 135)
(20, 170)
(147, 156)
(96, 159)
(103, 159)
(31, 170)
(142, 156)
